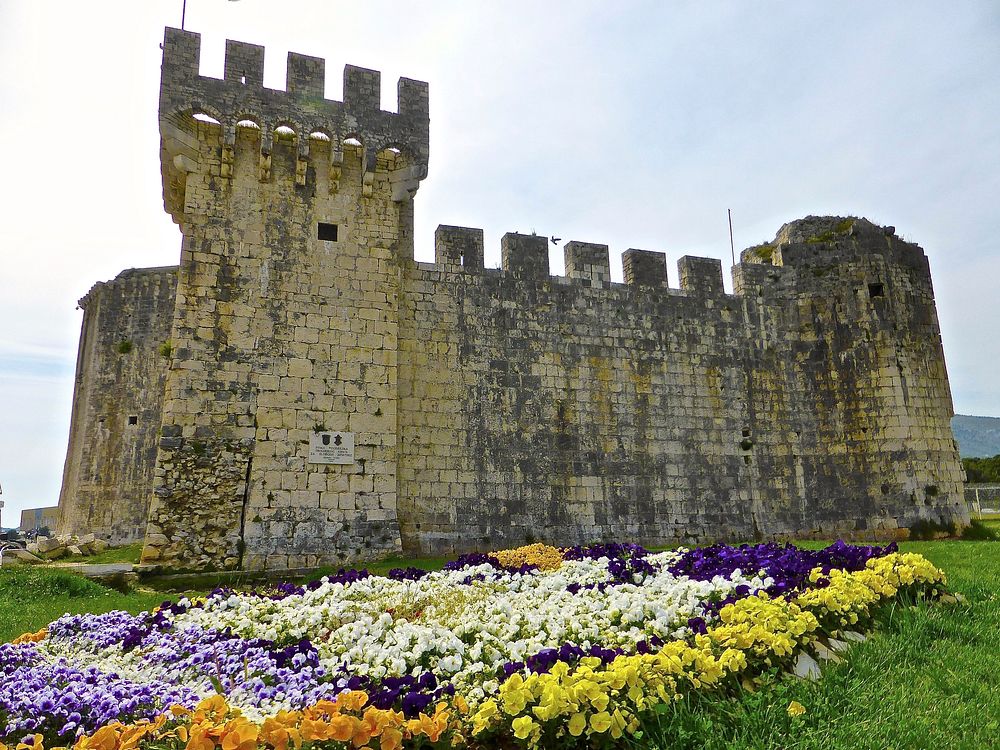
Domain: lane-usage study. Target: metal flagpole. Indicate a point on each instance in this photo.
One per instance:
(732, 247)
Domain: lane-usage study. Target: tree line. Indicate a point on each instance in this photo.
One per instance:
(982, 470)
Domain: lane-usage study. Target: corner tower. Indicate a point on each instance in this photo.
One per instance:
(852, 405)
(117, 404)
(296, 212)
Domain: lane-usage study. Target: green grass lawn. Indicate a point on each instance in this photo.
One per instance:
(128, 553)
(384, 566)
(928, 678)
(992, 521)
(31, 598)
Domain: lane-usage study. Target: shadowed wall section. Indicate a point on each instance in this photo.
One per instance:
(117, 404)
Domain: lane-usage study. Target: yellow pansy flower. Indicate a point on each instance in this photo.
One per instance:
(796, 709)
(523, 727)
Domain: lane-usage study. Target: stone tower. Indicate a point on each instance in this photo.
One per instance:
(295, 211)
(117, 405)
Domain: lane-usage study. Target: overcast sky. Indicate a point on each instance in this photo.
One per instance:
(635, 124)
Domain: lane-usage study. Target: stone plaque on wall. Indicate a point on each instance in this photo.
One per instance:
(331, 448)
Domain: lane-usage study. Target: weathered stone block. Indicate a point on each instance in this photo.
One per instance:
(644, 267)
(21, 556)
(459, 246)
(98, 546)
(525, 255)
(587, 261)
(54, 553)
(47, 544)
(700, 275)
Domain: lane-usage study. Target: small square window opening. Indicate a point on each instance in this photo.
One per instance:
(876, 290)
(133, 419)
(327, 232)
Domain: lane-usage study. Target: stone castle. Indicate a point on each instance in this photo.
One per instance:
(299, 391)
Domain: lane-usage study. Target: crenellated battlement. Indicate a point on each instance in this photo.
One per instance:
(805, 257)
(318, 124)
(132, 282)
(241, 95)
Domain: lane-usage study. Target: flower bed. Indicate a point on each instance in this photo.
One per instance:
(535, 646)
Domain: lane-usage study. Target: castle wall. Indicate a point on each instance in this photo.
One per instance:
(117, 401)
(573, 410)
(534, 407)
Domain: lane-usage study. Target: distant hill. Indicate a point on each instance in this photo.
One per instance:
(978, 437)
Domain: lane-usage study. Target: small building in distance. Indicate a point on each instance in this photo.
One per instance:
(33, 519)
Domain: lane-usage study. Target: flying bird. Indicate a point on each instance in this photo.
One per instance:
(556, 240)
